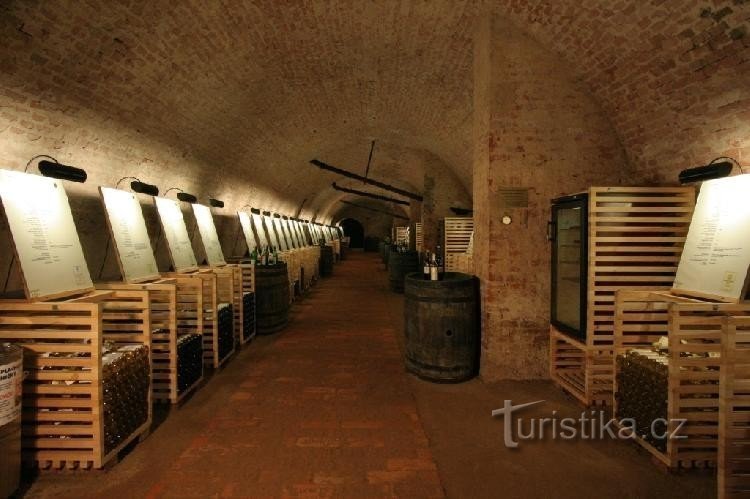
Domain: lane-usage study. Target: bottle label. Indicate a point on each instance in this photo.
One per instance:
(433, 274)
(11, 379)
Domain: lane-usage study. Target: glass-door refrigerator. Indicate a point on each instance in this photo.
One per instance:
(569, 236)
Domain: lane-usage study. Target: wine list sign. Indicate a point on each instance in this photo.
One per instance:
(716, 256)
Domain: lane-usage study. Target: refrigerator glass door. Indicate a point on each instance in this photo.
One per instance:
(569, 267)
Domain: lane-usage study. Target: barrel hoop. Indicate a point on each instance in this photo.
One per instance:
(444, 301)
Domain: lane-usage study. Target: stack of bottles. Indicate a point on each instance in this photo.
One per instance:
(126, 386)
(226, 329)
(189, 360)
(433, 267)
(642, 388)
(401, 247)
(248, 315)
(266, 256)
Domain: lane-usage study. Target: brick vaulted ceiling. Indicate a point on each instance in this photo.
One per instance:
(257, 88)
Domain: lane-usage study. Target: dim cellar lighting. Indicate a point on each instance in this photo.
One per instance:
(182, 195)
(140, 187)
(216, 203)
(55, 169)
(717, 168)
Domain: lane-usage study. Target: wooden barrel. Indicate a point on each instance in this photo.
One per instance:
(10, 417)
(326, 261)
(399, 265)
(441, 321)
(271, 298)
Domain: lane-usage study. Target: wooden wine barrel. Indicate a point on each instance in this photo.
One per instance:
(10, 418)
(326, 261)
(399, 265)
(271, 298)
(441, 320)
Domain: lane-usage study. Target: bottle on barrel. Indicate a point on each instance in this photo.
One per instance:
(264, 256)
(426, 266)
(254, 256)
(434, 276)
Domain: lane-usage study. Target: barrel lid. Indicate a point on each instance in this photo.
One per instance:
(417, 278)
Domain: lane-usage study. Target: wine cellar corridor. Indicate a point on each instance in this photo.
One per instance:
(326, 409)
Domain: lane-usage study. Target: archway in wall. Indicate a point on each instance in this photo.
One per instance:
(354, 230)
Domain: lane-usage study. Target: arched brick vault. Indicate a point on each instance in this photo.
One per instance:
(232, 98)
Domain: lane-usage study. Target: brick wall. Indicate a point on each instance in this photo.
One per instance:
(536, 127)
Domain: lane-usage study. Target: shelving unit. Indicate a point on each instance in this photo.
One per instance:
(458, 234)
(635, 239)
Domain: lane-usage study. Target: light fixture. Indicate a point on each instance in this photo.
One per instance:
(182, 195)
(717, 168)
(255, 210)
(140, 187)
(55, 169)
(216, 203)
(267, 213)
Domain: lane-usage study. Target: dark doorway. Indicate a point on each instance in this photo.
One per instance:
(354, 230)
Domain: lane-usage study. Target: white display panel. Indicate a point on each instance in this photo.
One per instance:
(293, 232)
(715, 260)
(247, 231)
(259, 230)
(128, 230)
(208, 235)
(283, 245)
(44, 234)
(268, 221)
(300, 233)
(176, 235)
(290, 232)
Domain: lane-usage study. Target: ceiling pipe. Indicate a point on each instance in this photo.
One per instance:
(387, 187)
(369, 195)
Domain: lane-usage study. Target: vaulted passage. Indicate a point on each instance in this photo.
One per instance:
(306, 248)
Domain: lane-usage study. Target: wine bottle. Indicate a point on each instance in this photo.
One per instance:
(433, 269)
(426, 267)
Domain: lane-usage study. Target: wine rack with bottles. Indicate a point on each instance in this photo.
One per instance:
(66, 423)
(693, 329)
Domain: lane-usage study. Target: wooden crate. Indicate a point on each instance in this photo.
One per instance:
(691, 326)
(218, 287)
(418, 237)
(457, 236)
(293, 266)
(310, 265)
(63, 413)
(635, 239)
(244, 282)
(175, 306)
(462, 262)
(582, 371)
(734, 410)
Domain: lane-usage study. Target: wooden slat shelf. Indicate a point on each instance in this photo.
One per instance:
(692, 326)
(636, 236)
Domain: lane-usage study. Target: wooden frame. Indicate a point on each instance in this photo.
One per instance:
(63, 416)
(734, 410)
(635, 238)
(457, 236)
(693, 326)
(244, 283)
(217, 287)
(175, 306)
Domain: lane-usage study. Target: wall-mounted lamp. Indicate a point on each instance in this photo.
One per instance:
(717, 168)
(140, 187)
(55, 169)
(216, 203)
(255, 210)
(182, 195)
(267, 213)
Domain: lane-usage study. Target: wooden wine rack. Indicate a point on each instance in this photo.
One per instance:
(734, 410)
(635, 239)
(63, 413)
(692, 326)
(175, 306)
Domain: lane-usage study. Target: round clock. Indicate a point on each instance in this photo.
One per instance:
(507, 220)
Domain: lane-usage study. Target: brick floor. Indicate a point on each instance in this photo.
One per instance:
(323, 409)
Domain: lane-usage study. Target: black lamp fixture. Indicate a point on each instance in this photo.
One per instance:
(267, 213)
(717, 168)
(182, 195)
(140, 187)
(216, 203)
(255, 210)
(55, 169)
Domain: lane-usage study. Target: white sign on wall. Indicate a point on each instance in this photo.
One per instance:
(176, 235)
(259, 230)
(128, 230)
(247, 230)
(209, 237)
(716, 256)
(283, 244)
(44, 235)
